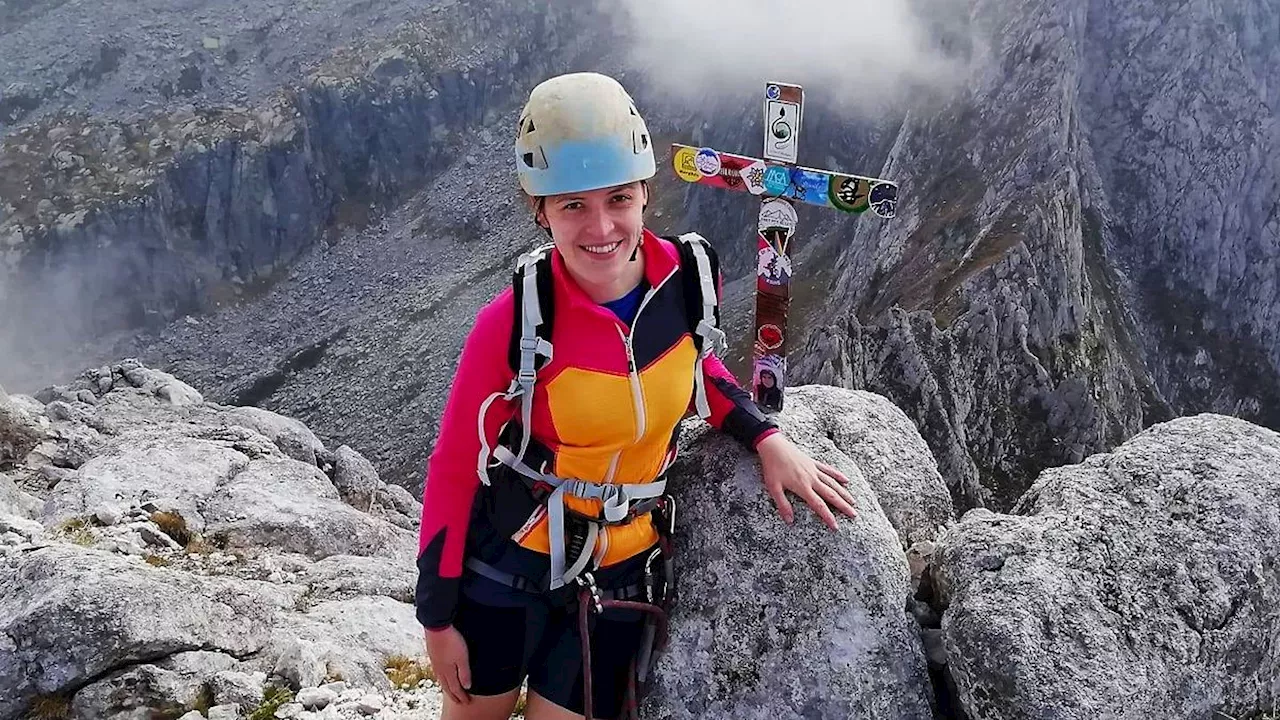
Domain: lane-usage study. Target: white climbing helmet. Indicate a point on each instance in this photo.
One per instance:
(579, 132)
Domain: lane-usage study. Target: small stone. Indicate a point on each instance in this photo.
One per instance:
(337, 688)
(193, 715)
(316, 698)
(289, 710)
(108, 514)
(370, 705)
(211, 43)
(224, 712)
(87, 397)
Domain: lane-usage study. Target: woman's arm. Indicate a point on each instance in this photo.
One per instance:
(453, 474)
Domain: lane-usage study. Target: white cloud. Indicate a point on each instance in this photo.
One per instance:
(869, 52)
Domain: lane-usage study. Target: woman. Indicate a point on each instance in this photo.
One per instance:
(605, 410)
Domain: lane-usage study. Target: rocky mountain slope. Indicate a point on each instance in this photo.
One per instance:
(1041, 295)
(1087, 241)
(166, 556)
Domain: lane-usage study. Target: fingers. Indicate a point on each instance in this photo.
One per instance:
(832, 472)
(841, 490)
(836, 496)
(780, 499)
(816, 501)
(453, 685)
(464, 676)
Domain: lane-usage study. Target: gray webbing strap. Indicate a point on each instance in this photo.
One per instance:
(616, 497)
(713, 338)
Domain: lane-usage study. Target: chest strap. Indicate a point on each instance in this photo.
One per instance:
(616, 497)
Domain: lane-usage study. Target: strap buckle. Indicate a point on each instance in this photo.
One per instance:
(588, 583)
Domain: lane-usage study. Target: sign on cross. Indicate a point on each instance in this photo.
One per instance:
(779, 182)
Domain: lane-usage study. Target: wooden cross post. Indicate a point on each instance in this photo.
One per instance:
(780, 182)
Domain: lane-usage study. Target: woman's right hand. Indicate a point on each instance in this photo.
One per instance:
(447, 651)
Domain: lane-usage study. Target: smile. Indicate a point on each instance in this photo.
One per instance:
(601, 249)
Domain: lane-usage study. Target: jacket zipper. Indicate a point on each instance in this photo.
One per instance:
(637, 392)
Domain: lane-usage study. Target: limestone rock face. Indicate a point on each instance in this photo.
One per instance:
(796, 621)
(1141, 583)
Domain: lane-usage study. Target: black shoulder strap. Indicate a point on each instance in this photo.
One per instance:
(546, 297)
(692, 281)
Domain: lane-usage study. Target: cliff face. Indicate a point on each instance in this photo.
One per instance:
(1050, 286)
(113, 225)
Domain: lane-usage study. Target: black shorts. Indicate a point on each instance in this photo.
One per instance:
(512, 635)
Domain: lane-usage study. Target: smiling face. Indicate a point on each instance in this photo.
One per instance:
(596, 233)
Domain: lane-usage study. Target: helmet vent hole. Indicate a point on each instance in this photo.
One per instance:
(644, 142)
(528, 159)
(633, 111)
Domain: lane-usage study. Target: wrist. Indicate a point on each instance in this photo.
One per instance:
(768, 439)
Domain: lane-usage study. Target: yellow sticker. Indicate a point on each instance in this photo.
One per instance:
(685, 165)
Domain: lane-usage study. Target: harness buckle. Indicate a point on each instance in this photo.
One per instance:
(588, 583)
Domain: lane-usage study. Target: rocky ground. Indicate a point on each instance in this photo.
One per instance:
(164, 556)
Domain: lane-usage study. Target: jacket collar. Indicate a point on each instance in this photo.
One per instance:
(660, 258)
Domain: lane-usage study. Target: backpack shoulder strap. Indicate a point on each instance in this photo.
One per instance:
(529, 348)
(700, 269)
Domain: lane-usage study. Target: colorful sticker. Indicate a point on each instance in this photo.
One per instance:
(777, 180)
(849, 194)
(753, 176)
(773, 92)
(778, 213)
(809, 186)
(683, 161)
(781, 130)
(708, 162)
(884, 199)
(774, 269)
(768, 380)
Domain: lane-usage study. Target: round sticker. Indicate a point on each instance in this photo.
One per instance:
(777, 180)
(708, 162)
(772, 92)
(685, 167)
(884, 199)
(778, 213)
(848, 193)
(770, 336)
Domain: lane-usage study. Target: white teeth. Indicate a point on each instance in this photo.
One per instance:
(601, 249)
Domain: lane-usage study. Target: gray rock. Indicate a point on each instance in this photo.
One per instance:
(356, 479)
(292, 437)
(108, 514)
(778, 620)
(224, 712)
(300, 663)
(231, 687)
(316, 698)
(181, 471)
(350, 639)
(289, 710)
(138, 689)
(341, 576)
(160, 383)
(292, 507)
(140, 612)
(16, 501)
(369, 705)
(1134, 585)
(20, 431)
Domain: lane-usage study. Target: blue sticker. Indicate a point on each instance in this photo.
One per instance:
(777, 180)
(772, 92)
(809, 186)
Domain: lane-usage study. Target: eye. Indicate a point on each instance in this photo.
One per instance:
(571, 205)
(622, 197)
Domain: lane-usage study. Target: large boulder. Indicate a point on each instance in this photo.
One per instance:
(186, 553)
(777, 620)
(1141, 583)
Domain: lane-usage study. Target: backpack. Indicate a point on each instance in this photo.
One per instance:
(530, 346)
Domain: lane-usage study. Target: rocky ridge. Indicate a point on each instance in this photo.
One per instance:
(1041, 297)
